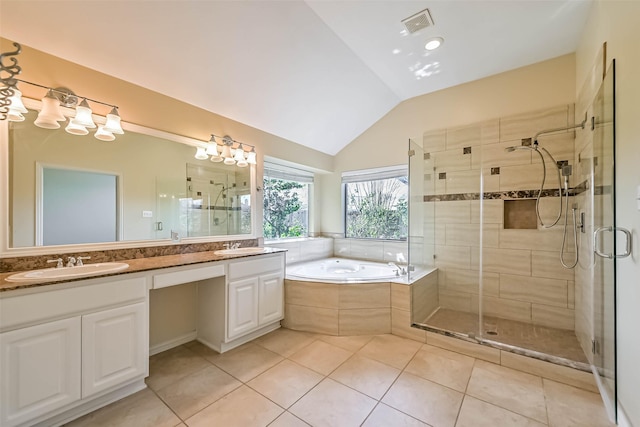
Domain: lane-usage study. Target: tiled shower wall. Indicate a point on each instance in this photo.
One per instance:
(522, 276)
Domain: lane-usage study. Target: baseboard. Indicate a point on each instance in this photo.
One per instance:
(623, 419)
(226, 346)
(167, 345)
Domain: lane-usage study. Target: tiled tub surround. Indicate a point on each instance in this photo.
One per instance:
(371, 249)
(304, 249)
(522, 278)
(352, 308)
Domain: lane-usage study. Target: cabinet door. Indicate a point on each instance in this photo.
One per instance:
(40, 370)
(271, 298)
(113, 347)
(243, 306)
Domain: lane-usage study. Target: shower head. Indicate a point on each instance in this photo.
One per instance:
(517, 147)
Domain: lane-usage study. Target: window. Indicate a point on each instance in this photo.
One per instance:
(286, 201)
(376, 205)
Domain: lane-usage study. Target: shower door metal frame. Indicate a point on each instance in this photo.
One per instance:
(603, 349)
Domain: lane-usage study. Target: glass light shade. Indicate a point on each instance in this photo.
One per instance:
(217, 159)
(113, 122)
(104, 135)
(239, 155)
(201, 154)
(226, 152)
(83, 115)
(251, 157)
(242, 163)
(212, 150)
(75, 128)
(229, 161)
(50, 113)
(16, 102)
(14, 115)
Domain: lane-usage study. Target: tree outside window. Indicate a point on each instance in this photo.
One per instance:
(377, 209)
(286, 208)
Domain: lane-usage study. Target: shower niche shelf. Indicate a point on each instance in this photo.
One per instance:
(520, 214)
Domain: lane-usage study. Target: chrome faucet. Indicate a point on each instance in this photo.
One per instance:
(400, 270)
(58, 262)
(235, 245)
(71, 261)
(79, 262)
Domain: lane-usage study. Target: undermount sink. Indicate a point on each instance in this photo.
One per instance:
(68, 272)
(240, 251)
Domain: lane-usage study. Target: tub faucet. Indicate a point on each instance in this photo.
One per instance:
(401, 270)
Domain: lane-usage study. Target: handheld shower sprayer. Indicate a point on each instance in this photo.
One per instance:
(566, 170)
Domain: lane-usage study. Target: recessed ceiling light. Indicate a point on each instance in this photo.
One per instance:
(433, 43)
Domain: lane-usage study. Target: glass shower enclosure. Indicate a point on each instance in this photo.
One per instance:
(501, 239)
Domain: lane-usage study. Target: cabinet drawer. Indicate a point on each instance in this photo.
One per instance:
(25, 310)
(255, 267)
(173, 278)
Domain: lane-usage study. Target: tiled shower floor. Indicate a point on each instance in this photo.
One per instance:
(552, 341)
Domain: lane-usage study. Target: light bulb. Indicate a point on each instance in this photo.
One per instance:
(433, 43)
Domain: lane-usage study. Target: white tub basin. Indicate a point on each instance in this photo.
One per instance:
(68, 272)
(240, 251)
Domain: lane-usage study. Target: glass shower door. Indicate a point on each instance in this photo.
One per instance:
(604, 286)
(419, 240)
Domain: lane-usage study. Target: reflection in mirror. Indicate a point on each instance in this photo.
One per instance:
(68, 197)
(161, 187)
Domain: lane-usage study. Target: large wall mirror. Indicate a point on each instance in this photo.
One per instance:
(145, 186)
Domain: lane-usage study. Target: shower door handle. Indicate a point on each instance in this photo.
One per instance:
(596, 242)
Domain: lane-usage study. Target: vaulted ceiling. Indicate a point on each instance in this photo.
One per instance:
(317, 73)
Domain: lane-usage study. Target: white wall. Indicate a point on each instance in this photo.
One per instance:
(617, 23)
(535, 87)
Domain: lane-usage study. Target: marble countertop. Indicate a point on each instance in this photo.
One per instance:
(136, 265)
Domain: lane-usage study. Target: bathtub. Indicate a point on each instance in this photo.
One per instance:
(343, 270)
(339, 296)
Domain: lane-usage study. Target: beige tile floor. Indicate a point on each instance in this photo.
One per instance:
(290, 379)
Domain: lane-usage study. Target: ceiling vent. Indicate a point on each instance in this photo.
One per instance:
(418, 21)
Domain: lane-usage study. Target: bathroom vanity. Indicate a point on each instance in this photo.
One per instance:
(68, 348)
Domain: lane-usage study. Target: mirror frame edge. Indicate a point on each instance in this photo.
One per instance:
(9, 252)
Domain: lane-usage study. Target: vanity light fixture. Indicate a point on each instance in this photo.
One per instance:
(11, 106)
(226, 152)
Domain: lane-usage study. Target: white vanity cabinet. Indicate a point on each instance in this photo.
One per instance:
(40, 370)
(250, 305)
(114, 348)
(62, 347)
(256, 294)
